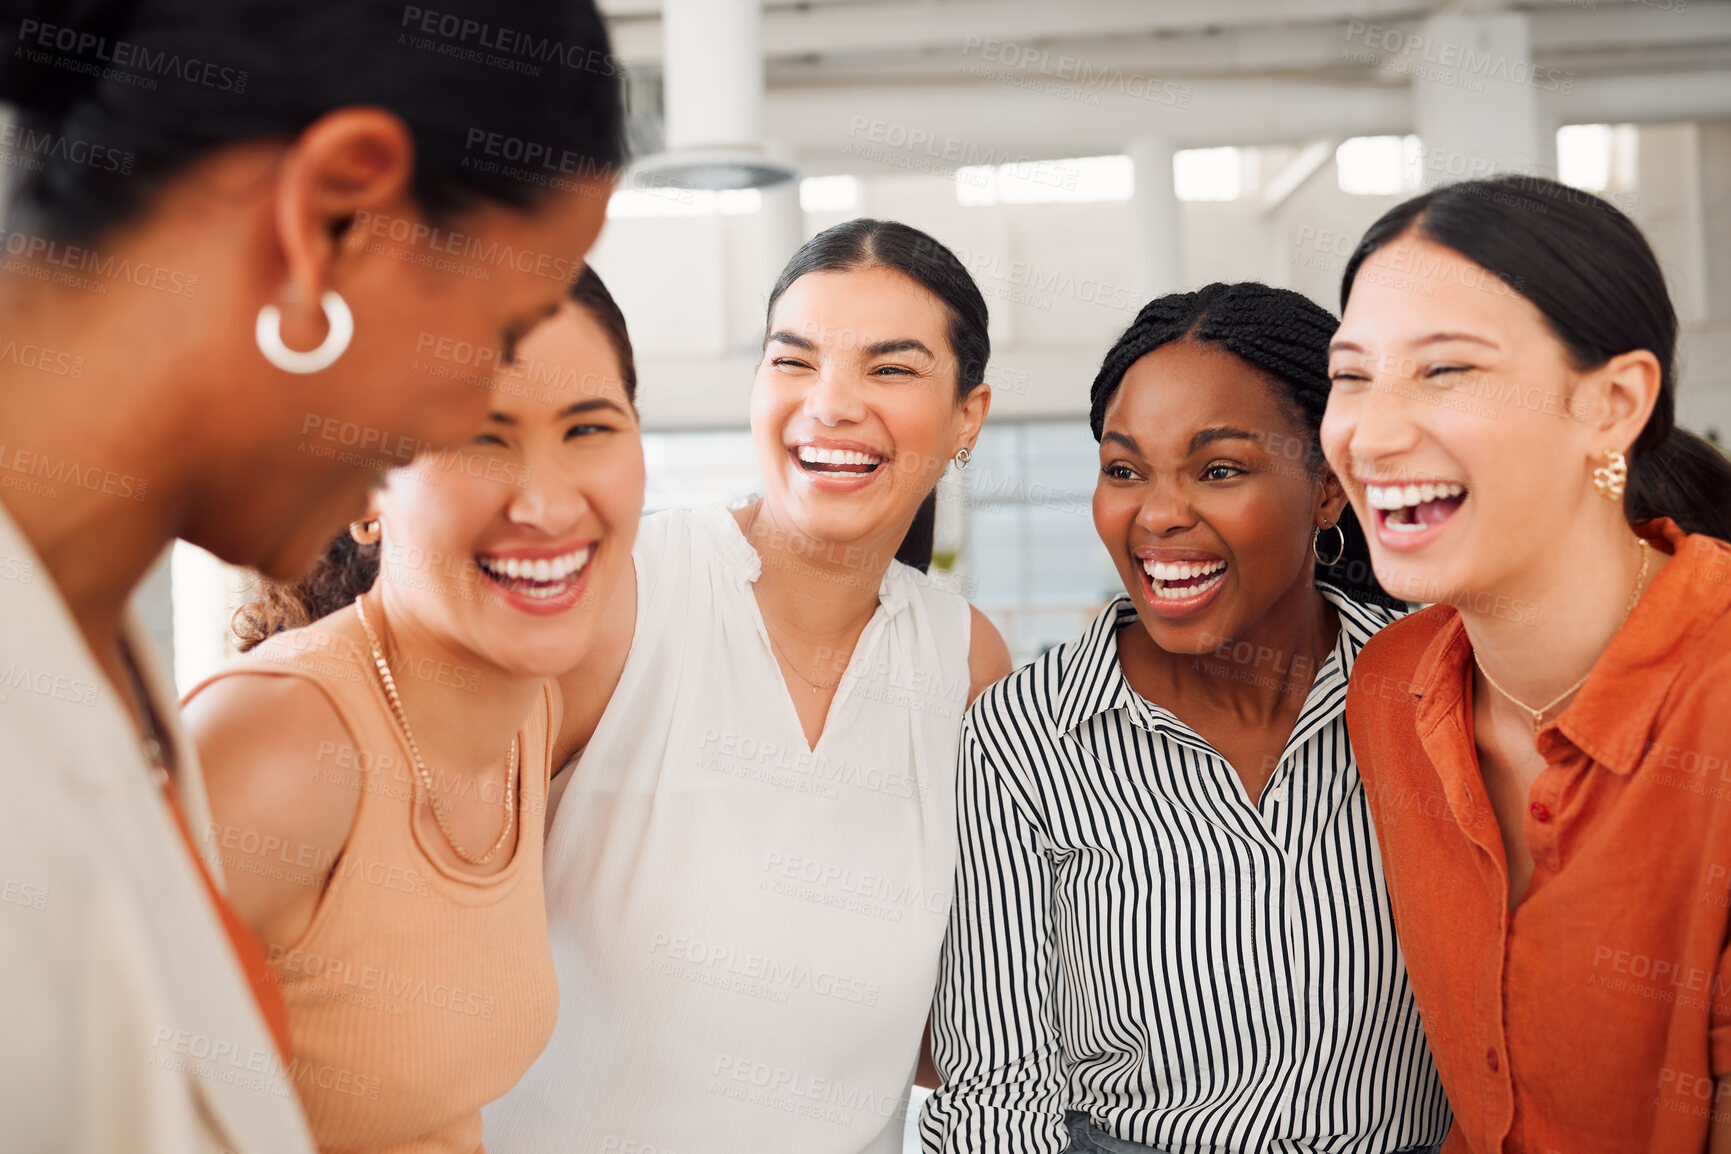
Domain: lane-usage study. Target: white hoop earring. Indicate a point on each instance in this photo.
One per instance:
(268, 333)
(963, 456)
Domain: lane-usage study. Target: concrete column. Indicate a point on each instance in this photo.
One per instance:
(758, 247)
(1475, 97)
(1154, 241)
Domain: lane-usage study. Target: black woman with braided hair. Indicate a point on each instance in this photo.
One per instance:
(1170, 930)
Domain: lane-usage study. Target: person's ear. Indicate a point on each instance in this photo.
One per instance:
(974, 409)
(1331, 498)
(349, 162)
(1615, 399)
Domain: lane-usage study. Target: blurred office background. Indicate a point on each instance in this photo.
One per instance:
(1081, 158)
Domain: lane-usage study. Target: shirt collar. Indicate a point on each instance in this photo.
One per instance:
(1611, 718)
(51, 688)
(745, 563)
(1092, 682)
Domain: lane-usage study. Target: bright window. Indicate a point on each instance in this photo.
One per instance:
(629, 203)
(1379, 165)
(1076, 180)
(829, 194)
(1207, 173)
(1597, 157)
(686, 470)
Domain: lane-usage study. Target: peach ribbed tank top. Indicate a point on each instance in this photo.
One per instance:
(416, 994)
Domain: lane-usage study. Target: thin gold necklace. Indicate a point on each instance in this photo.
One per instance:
(426, 779)
(1538, 714)
(816, 686)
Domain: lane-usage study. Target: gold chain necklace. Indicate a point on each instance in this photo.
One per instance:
(769, 633)
(1538, 714)
(425, 778)
(815, 686)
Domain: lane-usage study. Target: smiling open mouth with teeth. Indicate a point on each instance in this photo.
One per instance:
(1413, 508)
(542, 577)
(1178, 580)
(851, 462)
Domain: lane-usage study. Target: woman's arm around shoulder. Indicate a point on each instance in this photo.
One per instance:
(284, 777)
(988, 656)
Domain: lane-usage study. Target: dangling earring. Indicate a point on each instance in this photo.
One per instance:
(1338, 553)
(365, 532)
(268, 333)
(963, 456)
(1611, 477)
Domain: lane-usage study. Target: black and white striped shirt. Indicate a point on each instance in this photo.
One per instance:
(1133, 938)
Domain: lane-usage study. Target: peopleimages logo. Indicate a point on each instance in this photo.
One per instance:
(459, 31)
(144, 63)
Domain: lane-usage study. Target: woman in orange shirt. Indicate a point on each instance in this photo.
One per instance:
(1547, 748)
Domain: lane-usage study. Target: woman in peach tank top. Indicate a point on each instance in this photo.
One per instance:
(378, 776)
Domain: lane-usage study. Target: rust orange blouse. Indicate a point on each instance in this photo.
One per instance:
(1596, 1016)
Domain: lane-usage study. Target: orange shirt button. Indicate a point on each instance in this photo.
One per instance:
(1540, 812)
(1491, 1060)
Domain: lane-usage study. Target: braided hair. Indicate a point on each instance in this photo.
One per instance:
(1285, 336)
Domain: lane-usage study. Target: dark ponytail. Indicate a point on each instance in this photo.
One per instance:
(866, 243)
(1588, 269)
(348, 569)
(1283, 334)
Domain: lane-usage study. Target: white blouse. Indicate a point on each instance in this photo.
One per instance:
(125, 1023)
(746, 929)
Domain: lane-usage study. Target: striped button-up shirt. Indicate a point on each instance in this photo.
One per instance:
(1134, 938)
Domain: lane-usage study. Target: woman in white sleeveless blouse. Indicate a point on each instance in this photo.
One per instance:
(750, 870)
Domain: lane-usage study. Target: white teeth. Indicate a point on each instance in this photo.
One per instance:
(1181, 570)
(813, 455)
(1403, 496)
(1167, 593)
(544, 570)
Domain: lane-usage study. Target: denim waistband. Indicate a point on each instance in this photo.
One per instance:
(1085, 1138)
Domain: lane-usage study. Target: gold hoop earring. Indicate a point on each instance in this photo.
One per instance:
(365, 532)
(1612, 477)
(1338, 553)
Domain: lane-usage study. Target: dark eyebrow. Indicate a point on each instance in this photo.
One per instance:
(588, 407)
(568, 411)
(1124, 439)
(1438, 338)
(1434, 338)
(903, 345)
(1221, 433)
(782, 336)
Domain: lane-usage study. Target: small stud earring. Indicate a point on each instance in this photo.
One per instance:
(963, 456)
(365, 532)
